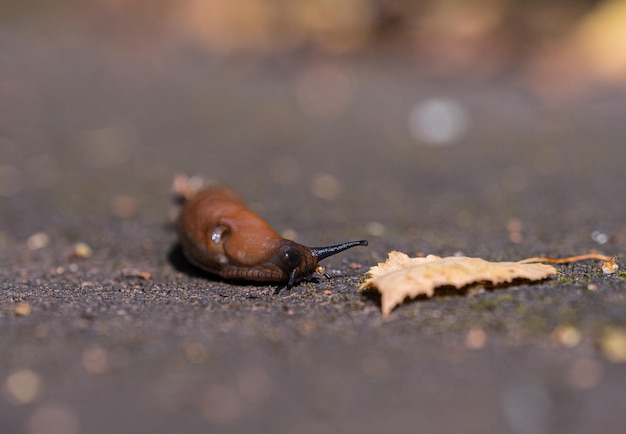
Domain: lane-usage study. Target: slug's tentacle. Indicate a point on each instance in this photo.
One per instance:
(292, 279)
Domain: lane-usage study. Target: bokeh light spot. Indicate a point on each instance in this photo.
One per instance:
(23, 386)
(438, 122)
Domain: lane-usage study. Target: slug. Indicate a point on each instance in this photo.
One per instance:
(219, 234)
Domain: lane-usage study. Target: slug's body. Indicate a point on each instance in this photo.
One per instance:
(220, 235)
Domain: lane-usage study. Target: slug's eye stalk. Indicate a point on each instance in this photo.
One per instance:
(308, 262)
(320, 253)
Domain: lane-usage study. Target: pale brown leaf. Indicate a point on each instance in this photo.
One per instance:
(400, 277)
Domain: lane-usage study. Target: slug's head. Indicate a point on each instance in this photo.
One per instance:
(298, 262)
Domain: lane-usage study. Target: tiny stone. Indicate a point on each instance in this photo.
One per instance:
(23, 309)
(82, 250)
(567, 336)
(475, 338)
(23, 386)
(613, 345)
(325, 186)
(38, 241)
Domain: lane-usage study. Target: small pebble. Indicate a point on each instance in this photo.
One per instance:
(23, 386)
(514, 227)
(307, 327)
(38, 241)
(599, 237)
(567, 336)
(610, 266)
(23, 309)
(325, 186)
(613, 344)
(476, 338)
(95, 360)
(82, 250)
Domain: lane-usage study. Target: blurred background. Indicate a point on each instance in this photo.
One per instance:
(560, 47)
(103, 102)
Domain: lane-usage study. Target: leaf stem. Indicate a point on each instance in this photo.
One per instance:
(595, 256)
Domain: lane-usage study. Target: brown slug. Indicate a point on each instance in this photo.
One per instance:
(219, 234)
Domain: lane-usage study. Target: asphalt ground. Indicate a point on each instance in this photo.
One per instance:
(105, 328)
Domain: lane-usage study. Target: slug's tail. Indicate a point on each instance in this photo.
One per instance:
(320, 253)
(185, 187)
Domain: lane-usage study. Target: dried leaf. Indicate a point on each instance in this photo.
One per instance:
(400, 277)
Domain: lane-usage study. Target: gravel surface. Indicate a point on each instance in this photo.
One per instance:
(105, 328)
